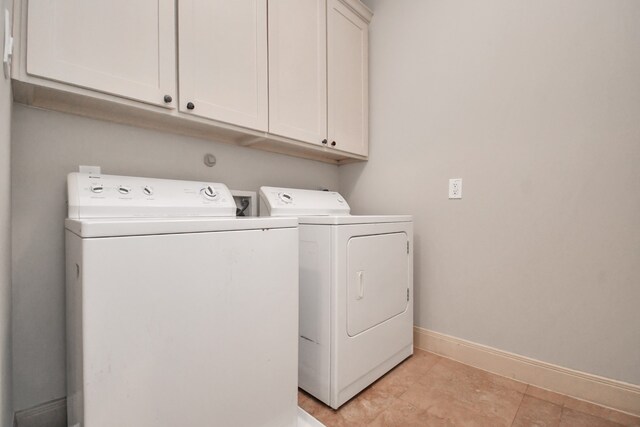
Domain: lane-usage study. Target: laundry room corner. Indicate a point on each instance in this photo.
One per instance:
(535, 106)
(319, 213)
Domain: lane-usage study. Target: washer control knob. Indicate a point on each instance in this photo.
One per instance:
(123, 189)
(97, 188)
(340, 199)
(209, 193)
(285, 197)
(147, 190)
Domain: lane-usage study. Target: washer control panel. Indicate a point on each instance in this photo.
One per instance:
(275, 201)
(111, 196)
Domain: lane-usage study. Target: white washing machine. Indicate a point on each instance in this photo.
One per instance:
(356, 291)
(178, 314)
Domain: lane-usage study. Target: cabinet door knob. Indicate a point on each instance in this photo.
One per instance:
(324, 141)
(168, 98)
(333, 143)
(190, 106)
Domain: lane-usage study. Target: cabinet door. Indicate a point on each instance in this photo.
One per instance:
(298, 69)
(348, 44)
(120, 47)
(223, 60)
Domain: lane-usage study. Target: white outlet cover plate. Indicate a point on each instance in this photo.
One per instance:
(455, 188)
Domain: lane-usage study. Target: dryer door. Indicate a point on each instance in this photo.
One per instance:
(377, 280)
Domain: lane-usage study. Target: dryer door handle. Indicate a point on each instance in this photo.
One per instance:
(360, 285)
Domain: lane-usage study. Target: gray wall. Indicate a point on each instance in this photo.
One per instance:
(6, 411)
(536, 105)
(47, 146)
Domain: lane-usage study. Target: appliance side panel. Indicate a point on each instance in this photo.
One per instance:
(315, 310)
(74, 308)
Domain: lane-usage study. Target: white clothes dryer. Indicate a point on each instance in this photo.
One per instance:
(356, 291)
(178, 313)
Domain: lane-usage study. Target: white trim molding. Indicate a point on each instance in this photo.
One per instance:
(359, 8)
(592, 388)
(49, 414)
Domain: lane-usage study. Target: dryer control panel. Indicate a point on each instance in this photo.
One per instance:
(278, 201)
(111, 196)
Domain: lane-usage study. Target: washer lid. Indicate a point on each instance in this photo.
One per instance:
(112, 227)
(353, 219)
(280, 201)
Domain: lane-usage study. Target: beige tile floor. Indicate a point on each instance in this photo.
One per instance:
(428, 390)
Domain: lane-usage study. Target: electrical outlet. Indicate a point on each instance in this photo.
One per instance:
(245, 202)
(455, 188)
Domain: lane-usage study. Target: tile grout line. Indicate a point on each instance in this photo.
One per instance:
(519, 407)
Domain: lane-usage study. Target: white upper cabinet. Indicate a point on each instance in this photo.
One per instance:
(348, 100)
(318, 62)
(223, 60)
(120, 47)
(288, 76)
(298, 69)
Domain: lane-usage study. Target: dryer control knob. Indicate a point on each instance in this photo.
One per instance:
(209, 193)
(148, 191)
(285, 197)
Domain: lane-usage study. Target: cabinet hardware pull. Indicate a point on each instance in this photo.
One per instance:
(190, 106)
(168, 98)
(333, 143)
(324, 141)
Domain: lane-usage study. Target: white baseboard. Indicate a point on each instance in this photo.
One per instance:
(50, 414)
(599, 390)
